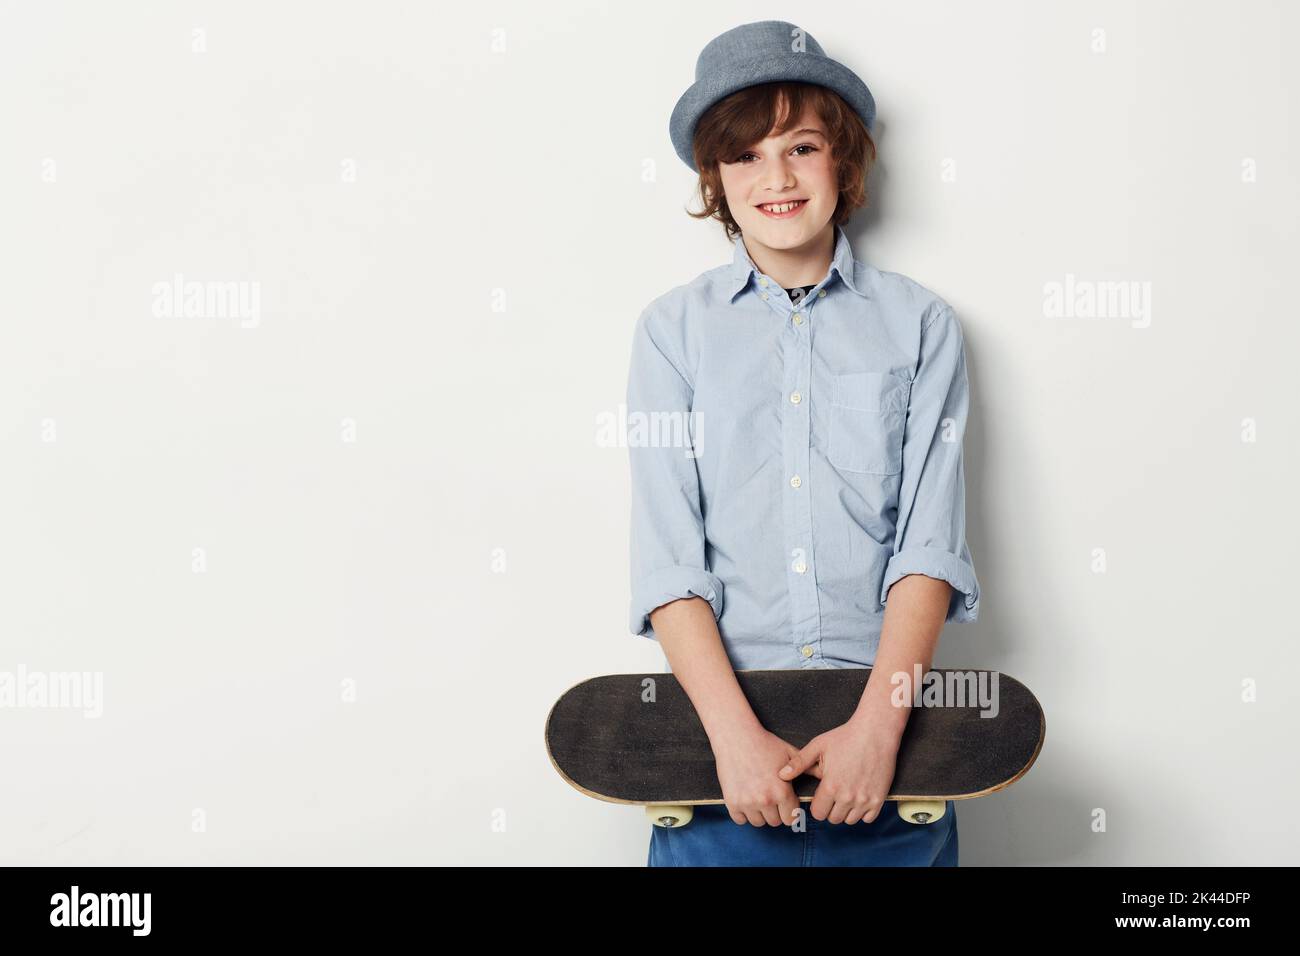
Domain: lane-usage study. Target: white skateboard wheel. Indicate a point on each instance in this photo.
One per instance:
(662, 816)
(922, 811)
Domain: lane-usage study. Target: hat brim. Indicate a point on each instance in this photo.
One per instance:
(798, 67)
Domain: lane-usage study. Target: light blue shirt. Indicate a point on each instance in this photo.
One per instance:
(790, 463)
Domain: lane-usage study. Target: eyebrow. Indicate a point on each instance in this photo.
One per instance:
(800, 132)
(795, 134)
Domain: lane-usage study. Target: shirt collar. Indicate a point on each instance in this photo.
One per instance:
(742, 266)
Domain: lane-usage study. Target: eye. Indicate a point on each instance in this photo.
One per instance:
(741, 159)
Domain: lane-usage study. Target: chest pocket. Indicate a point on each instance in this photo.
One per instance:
(868, 413)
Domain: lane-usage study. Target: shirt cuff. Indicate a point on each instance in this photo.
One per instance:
(669, 584)
(936, 563)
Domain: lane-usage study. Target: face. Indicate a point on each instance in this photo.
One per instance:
(793, 168)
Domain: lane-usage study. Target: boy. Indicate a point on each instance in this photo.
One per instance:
(828, 401)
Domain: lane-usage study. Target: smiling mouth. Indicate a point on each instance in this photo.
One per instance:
(782, 208)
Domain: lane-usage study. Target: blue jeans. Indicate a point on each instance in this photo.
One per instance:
(712, 838)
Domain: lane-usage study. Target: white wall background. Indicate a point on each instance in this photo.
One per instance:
(500, 155)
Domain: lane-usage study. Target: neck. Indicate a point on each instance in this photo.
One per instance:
(799, 265)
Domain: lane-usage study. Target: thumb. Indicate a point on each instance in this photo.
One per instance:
(801, 761)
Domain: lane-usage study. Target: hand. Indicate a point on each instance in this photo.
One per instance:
(855, 763)
(751, 789)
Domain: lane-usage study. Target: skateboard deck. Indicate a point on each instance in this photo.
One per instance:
(636, 738)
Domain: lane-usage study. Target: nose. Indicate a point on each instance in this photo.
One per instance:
(778, 177)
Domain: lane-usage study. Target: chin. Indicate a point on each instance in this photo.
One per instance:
(778, 234)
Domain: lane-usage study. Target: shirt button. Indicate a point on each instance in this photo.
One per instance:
(796, 481)
(821, 294)
(806, 650)
(798, 317)
(795, 398)
(765, 295)
(800, 567)
(762, 282)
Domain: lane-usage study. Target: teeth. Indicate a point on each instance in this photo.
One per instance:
(783, 207)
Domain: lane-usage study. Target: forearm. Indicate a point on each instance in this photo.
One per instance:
(688, 633)
(914, 617)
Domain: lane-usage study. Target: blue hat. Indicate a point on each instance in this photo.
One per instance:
(765, 52)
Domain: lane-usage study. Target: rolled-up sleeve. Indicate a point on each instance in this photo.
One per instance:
(930, 536)
(667, 528)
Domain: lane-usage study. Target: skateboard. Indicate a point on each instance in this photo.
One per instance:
(636, 738)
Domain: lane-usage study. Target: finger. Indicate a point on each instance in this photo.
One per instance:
(855, 815)
(821, 804)
(872, 812)
(839, 811)
(772, 815)
(756, 819)
(789, 805)
(801, 761)
(737, 817)
(793, 767)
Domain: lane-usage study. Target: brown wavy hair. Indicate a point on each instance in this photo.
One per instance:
(735, 123)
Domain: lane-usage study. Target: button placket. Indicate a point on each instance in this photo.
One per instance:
(797, 415)
(809, 574)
